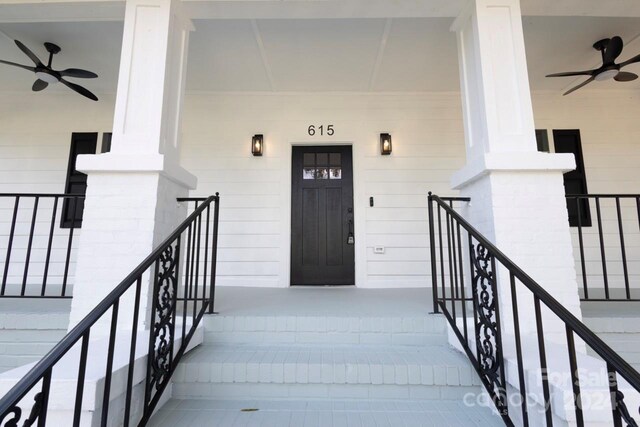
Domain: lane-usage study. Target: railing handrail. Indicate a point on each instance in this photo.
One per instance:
(599, 195)
(41, 195)
(191, 199)
(35, 374)
(599, 346)
(456, 199)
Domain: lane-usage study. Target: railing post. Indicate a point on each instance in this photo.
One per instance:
(214, 254)
(432, 249)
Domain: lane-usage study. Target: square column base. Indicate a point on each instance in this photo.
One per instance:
(127, 214)
(518, 203)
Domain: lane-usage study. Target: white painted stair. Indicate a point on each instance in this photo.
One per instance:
(29, 328)
(316, 367)
(618, 324)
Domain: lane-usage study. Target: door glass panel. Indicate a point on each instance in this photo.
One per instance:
(322, 159)
(309, 159)
(308, 173)
(335, 173)
(322, 173)
(335, 159)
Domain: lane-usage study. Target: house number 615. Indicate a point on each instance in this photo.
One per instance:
(320, 130)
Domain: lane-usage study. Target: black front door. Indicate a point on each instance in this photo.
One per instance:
(322, 239)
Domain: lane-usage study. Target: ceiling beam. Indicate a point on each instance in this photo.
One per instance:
(263, 54)
(380, 56)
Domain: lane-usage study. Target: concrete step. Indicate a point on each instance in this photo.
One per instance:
(241, 370)
(618, 324)
(423, 330)
(325, 413)
(10, 361)
(626, 344)
(19, 347)
(26, 348)
(29, 328)
(33, 321)
(8, 336)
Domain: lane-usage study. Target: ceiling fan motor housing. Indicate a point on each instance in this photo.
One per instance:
(47, 75)
(52, 48)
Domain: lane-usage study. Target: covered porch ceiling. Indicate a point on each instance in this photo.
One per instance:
(100, 10)
(322, 55)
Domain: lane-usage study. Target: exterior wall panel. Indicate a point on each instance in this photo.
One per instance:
(428, 146)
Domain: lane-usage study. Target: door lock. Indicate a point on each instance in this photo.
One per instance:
(350, 239)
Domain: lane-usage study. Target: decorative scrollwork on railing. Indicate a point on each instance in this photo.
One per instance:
(16, 414)
(621, 407)
(489, 351)
(164, 300)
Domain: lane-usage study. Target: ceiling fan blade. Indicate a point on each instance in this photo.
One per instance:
(39, 85)
(77, 73)
(572, 73)
(584, 83)
(613, 50)
(623, 76)
(82, 91)
(630, 61)
(26, 67)
(30, 54)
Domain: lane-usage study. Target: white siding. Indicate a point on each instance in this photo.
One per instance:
(35, 137)
(427, 148)
(610, 133)
(255, 212)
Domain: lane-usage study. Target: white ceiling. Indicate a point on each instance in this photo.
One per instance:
(376, 54)
(101, 10)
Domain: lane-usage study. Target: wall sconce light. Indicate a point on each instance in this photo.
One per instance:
(385, 144)
(257, 145)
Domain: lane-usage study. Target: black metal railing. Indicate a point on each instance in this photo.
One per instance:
(150, 317)
(525, 366)
(609, 247)
(37, 244)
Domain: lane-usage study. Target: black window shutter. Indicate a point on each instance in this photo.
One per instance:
(72, 208)
(575, 182)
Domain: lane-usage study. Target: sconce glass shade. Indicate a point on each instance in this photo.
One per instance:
(257, 145)
(385, 144)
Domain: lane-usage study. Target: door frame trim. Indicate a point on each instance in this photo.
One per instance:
(358, 214)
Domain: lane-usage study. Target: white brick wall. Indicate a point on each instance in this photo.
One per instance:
(112, 244)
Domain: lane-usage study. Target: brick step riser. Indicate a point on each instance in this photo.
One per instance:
(33, 321)
(13, 361)
(319, 391)
(409, 339)
(614, 325)
(25, 349)
(391, 325)
(399, 373)
(31, 335)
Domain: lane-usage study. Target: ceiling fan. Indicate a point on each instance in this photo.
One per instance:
(610, 50)
(47, 75)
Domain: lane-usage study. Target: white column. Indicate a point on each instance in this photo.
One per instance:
(517, 192)
(131, 195)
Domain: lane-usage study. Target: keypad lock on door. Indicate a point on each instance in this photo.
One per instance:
(350, 239)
